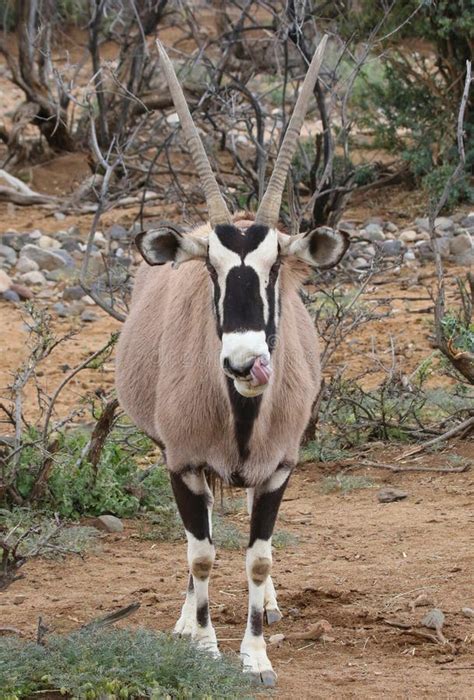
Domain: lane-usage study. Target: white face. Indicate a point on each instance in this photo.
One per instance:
(244, 264)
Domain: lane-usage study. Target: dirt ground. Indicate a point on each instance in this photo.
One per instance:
(358, 564)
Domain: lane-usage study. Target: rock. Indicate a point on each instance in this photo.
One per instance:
(47, 259)
(73, 293)
(88, 316)
(35, 235)
(26, 265)
(33, 278)
(409, 256)
(99, 239)
(14, 240)
(434, 619)
(59, 216)
(408, 236)
(468, 612)
(390, 494)
(8, 253)
(390, 227)
(391, 249)
(468, 221)
(374, 232)
(10, 295)
(71, 244)
(276, 638)
(443, 224)
(5, 281)
(370, 251)
(22, 291)
(61, 309)
(109, 523)
(422, 224)
(63, 273)
(19, 598)
(361, 263)
(47, 242)
(460, 244)
(117, 233)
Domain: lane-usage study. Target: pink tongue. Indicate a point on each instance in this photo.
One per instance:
(261, 371)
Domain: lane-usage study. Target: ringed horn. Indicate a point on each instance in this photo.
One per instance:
(218, 211)
(269, 209)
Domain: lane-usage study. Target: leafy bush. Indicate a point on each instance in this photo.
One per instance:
(412, 104)
(75, 488)
(117, 663)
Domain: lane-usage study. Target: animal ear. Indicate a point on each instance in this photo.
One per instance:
(166, 244)
(323, 247)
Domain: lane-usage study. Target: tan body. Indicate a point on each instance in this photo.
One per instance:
(170, 382)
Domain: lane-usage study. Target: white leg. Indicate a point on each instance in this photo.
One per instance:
(270, 604)
(263, 503)
(194, 500)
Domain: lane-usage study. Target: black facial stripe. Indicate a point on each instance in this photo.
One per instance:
(234, 239)
(217, 294)
(265, 510)
(243, 305)
(245, 411)
(271, 295)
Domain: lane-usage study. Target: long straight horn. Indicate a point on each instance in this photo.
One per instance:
(269, 209)
(218, 211)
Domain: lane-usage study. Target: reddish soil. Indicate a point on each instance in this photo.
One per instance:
(358, 564)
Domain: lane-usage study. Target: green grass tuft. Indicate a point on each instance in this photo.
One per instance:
(345, 483)
(119, 663)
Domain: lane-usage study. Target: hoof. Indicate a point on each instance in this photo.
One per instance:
(265, 678)
(272, 615)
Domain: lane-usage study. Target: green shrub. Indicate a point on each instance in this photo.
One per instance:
(122, 663)
(75, 488)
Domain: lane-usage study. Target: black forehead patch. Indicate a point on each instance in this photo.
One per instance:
(240, 241)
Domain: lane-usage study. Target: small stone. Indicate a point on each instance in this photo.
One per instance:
(117, 233)
(33, 278)
(390, 227)
(391, 249)
(59, 216)
(408, 236)
(370, 251)
(22, 291)
(70, 244)
(109, 523)
(73, 293)
(409, 255)
(46, 242)
(88, 316)
(468, 221)
(468, 612)
(442, 223)
(361, 263)
(434, 619)
(61, 309)
(172, 119)
(19, 598)
(10, 295)
(374, 232)
(276, 638)
(390, 494)
(423, 224)
(8, 253)
(460, 244)
(5, 281)
(99, 239)
(47, 259)
(26, 265)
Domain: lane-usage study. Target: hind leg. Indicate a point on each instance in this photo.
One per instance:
(272, 612)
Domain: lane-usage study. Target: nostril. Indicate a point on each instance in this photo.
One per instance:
(238, 371)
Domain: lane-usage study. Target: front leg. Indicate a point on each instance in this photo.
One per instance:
(194, 500)
(266, 502)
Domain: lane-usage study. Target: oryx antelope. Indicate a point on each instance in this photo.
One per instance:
(218, 362)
